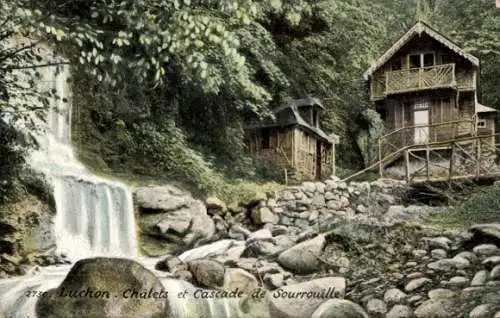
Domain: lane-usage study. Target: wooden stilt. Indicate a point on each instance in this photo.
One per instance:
(380, 167)
(478, 157)
(450, 172)
(427, 159)
(407, 166)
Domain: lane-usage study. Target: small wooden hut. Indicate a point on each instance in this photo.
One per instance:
(294, 141)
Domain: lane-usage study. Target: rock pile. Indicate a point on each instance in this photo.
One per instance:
(354, 237)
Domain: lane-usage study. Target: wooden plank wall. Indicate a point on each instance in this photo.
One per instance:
(280, 151)
(306, 154)
(300, 149)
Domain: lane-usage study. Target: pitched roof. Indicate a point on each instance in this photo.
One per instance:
(419, 28)
(484, 109)
(289, 115)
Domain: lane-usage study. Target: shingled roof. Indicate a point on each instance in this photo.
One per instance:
(480, 108)
(288, 115)
(418, 29)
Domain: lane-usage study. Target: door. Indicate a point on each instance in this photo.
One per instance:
(421, 120)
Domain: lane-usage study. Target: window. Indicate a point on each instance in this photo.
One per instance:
(481, 123)
(421, 60)
(315, 117)
(414, 60)
(428, 59)
(265, 139)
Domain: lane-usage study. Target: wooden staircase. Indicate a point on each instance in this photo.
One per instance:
(469, 157)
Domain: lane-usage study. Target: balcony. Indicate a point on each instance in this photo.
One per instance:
(417, 79)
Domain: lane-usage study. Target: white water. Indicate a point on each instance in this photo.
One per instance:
(94, 217)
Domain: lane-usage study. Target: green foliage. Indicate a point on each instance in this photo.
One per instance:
(476, 25)
(11, 162)
(368, 137)
(169, 83)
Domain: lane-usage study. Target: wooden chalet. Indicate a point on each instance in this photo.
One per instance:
(425, 88)
(294, 142)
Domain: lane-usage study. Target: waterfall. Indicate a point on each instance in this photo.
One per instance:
(94, 216)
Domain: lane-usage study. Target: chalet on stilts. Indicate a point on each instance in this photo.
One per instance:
(294, 142)
(425, 88)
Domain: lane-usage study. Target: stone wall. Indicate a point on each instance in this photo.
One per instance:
(317, 204)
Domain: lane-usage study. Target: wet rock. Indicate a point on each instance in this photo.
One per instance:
(438, 253)
(218, 248)
(417, 283)
(471, 257)
(178, 222)
(263, 215)
(303, 257)
(480, 278)
(309, 187)
(400, 311)
(438, 242)
(482, 311)
(395, 296)
(334, 205)
(300, 307)
(339, 308)
(14, 260)
(241, 280)
(207, 272)
(437, 308)
(376, 308)
(440, 293)
(161, 199)
(263, 234)
(495, 273)
(486, 250)
(491, 261)
(274, 280)
(105, 275)
(458, 281)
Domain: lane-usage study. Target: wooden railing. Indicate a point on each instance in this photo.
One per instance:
(424, 134)
(413, 79)
(469, 157)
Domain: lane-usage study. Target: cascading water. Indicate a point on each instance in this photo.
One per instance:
(94, 216)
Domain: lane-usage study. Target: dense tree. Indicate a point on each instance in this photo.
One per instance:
(183, 74)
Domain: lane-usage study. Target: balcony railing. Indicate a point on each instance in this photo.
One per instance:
(422, 135)
(414, 79)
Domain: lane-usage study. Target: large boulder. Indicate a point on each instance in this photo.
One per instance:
(161, 199)
(106, 287)
(303, 299)
(171, 218)
(303, 258)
